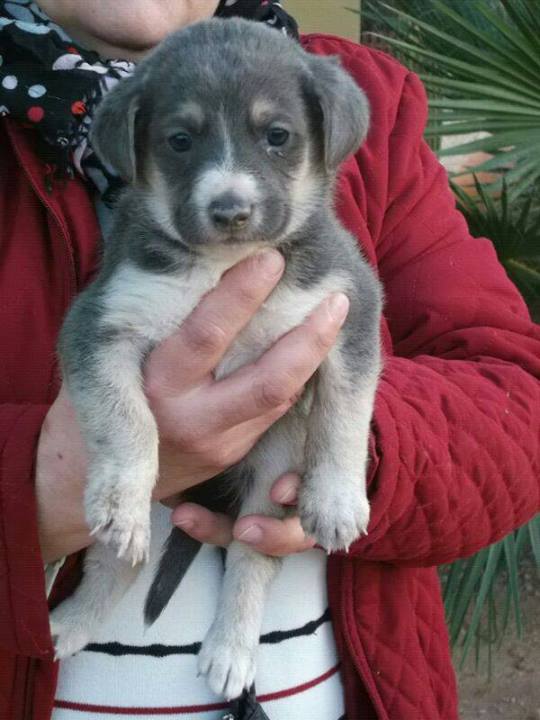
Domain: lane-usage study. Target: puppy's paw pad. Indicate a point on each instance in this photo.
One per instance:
(229, 668)
(336, 517)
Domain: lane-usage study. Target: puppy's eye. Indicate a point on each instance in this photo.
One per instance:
(181, 142)
(277, 136)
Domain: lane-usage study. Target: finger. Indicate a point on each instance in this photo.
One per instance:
(202, 524)
(272, 536)
(285, 490)
(277, 378)
(246, 434)
(195, 349)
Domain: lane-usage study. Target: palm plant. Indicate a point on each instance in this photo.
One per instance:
(514, 230)
(471, 587)
(480, 62)
(471, 591)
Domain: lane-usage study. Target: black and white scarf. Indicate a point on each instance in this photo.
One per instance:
(53, 84)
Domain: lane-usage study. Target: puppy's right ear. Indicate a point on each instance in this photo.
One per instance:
(113, 130)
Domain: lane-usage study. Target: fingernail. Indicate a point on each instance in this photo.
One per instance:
(338, 306)
(186, 525)
(251, 535)
(288, 494)
(271, 262)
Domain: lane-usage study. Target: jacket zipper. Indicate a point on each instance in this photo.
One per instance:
(45, 201)
(71, 284)
(28, 701)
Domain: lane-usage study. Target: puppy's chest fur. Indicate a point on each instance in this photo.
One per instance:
(154, 305)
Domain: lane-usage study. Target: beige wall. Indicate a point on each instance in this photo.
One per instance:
(330, 16)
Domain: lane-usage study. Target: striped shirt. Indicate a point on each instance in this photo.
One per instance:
(132, 671)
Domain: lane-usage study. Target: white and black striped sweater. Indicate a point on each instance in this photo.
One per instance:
(130, 671)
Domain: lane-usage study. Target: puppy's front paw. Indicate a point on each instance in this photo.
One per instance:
(228, 665)
(334, 511)
(129, 536)
(70, 629)
(119, 516)
(126, 529)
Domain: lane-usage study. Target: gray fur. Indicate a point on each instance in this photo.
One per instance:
(224, 83)
(345, 109)
(114, 129)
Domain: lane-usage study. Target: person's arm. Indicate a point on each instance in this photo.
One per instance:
(457, 418)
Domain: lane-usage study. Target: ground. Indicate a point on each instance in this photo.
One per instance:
(513, 692)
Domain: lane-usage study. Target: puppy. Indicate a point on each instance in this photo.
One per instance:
(229, 137)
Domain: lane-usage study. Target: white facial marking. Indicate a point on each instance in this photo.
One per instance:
(224, 177)
(228, 157)
(221, 179)
(193, 112)
(261, 110)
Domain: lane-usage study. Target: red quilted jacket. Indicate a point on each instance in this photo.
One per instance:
(456, 428)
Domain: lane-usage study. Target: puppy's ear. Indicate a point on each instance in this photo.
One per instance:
(113, 129)
(344, 107)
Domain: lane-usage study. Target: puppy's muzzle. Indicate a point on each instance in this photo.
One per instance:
(230, 213)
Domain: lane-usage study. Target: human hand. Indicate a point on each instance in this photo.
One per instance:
(266, 534)
(206, 425)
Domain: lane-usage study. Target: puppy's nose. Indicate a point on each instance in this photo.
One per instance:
(229, 212)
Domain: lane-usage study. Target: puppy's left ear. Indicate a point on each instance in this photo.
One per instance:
(344, 106)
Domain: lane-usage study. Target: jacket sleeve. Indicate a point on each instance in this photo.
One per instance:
(456, 432)
(24, 627)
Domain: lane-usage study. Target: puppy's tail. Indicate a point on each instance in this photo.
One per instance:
(180, 551)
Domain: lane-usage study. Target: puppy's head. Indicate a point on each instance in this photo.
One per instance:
(231, 131)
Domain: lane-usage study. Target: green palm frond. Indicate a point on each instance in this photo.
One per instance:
(472, 593)
(480, 62)
(513, 230)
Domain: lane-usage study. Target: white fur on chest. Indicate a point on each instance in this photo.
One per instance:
(154, 305)
(287, 307)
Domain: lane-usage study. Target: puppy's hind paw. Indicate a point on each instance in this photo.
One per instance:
(229, 668)
(69, 634)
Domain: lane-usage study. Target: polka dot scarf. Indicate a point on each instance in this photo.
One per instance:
(268, 11)
(53, 84)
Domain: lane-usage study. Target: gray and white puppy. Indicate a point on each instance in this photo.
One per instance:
(229, 136)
